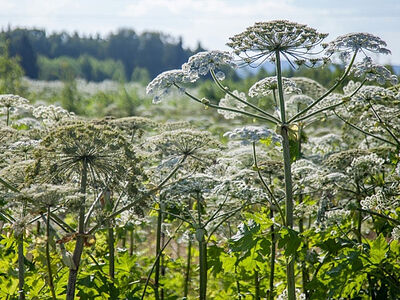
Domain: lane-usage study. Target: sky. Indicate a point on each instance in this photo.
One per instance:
(211, 22)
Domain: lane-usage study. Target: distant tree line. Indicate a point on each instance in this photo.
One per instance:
(123, 55)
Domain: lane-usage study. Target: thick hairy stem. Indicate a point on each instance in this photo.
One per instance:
(48, 258)
(304, 271)
(8, 116)
(21, 268)
(203, 268)
(158, 253)
(162, 265)
(359, 215)
(257, 286)
(202, 252)
(238, 284)
(290, 276)
(111, 252)
(187, 273)
(80, 239)
(272, 258)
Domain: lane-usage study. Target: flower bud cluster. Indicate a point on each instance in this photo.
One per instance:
(375, 202)
(373, 72)
(52, 114)
(266, 86)
(396, 233)
(10, 100)
(249, 134)
(309, 87)
(365, 165)
(231, 102)
(160, 86)
(373, 93)
(203, 62)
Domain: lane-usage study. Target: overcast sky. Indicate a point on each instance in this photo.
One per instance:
(208, 21)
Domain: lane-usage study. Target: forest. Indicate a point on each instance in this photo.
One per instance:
(120, 56)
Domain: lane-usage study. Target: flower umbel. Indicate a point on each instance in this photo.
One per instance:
(266, 86)
(204, 62)
(230, 102)
(352, 42)
(262, 40)
(253, 134)
(160, 86)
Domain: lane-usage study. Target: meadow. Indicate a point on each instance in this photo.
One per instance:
(201, 184)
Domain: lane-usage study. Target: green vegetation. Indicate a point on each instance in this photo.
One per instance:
(104, 195)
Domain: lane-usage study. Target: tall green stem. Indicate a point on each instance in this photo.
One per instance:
(8, 116)
(290, 276)
(48, 258)
(200, 232)
(111, 252)
(158, 249)
(272, 259)
(187, 273)
(162, 264)
(257, 286)
(21, 268)
(80, 239)
(188, 261)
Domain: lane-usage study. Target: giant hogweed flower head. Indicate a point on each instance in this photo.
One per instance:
(52, 114)
(262, 40)
(199, 148)
(366, 165)
(268, 85)
(10, 101)
(108, 156)
(373, 93)
(373, 72)
(231, 102)
(349, 43)
(161, 85)
(249, 134)
(309, 87)
(203, 62)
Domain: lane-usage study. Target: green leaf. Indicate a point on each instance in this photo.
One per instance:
(290, 241)
(244, 239)
(395, 247)
(378, 250)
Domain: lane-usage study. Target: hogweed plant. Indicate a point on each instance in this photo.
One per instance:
(300, 45)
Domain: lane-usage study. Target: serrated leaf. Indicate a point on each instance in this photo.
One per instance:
(378, 250)
(290, 241)
(244, 239)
